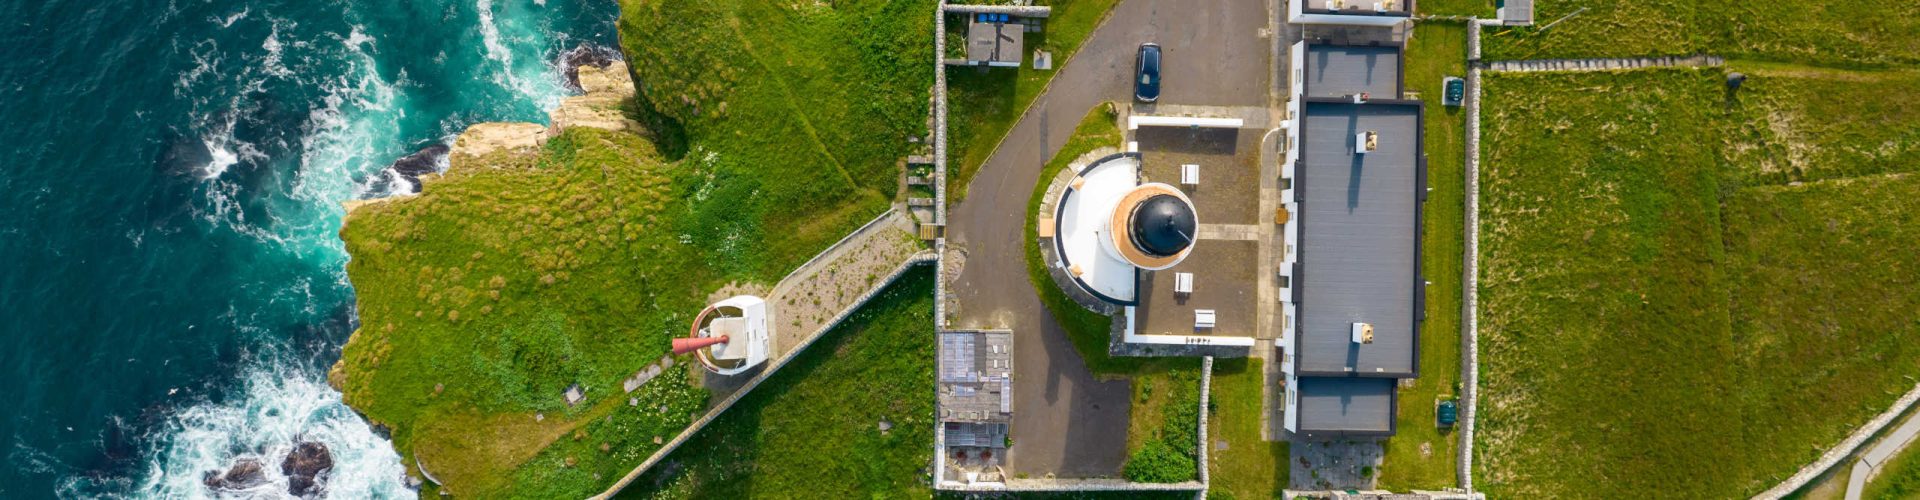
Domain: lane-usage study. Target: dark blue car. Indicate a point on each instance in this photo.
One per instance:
(1146, 81)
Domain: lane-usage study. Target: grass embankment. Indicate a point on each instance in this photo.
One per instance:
(511, 278)
(1867, 33)
(815, 429)
(1658, 313)
(1423, 456)
(1249, 467)
(983, 106)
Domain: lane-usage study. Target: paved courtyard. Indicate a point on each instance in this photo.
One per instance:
(1068, 422)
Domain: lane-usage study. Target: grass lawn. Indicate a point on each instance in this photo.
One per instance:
(982, 107)
(1422, 456)
(1163, 422)
(1476, 8)
(1867, 33)
(1655, 314)
(1249, 467)
(814, 429)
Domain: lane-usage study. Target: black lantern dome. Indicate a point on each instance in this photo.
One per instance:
(1163, 225)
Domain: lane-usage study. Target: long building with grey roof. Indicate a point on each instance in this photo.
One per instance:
(1354, 182)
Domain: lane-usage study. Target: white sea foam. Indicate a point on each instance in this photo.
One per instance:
(275, 411)
(542, 84)
(228, 21)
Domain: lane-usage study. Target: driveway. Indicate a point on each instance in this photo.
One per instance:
(1065, 421)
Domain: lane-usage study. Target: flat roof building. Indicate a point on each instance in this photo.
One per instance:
(1354, 180)
(1350, 12)
(995, 40)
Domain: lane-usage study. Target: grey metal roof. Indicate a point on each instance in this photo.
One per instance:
(996, 42)
(1342, 70)
(976, 370)
(1358, 247)
(1346, 405)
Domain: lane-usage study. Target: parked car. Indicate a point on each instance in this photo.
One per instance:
(1146, 78)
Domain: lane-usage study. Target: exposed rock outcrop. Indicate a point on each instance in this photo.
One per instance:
(306, 468)
(484, 138)
(245, 473)
(606, 90)
(586, 56)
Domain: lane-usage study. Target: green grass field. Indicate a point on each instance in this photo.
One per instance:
(1657, 316)
(982, 107)
(470, 326)
(805, 109)
(1249, 468)
(814, 430)
(1422, 456)
(1868, 33)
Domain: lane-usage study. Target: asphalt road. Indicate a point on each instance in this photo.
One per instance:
(1065, 421)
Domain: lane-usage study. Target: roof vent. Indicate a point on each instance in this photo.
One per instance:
(1366, 142)
(1362, 333)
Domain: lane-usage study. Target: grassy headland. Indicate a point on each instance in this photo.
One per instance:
(780, 127)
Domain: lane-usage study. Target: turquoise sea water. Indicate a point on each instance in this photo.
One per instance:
(172, 287)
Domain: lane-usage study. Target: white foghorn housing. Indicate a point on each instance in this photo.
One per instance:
(743, 320)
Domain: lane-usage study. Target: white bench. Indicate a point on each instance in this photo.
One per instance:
(1190, 174)
(1183, 283)
(1202, 318)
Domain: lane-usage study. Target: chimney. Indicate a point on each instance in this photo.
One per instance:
(1362, 333)
(688, 345)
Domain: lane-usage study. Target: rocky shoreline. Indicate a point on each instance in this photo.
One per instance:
(597, 72)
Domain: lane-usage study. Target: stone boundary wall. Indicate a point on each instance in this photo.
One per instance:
(1206, 392)
(1846, 447)
(771, 369)
(1470, 270)
(1016, 10)
(1535, 65)
(1073, 485)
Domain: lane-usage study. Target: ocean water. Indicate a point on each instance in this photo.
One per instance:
(172, 285)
